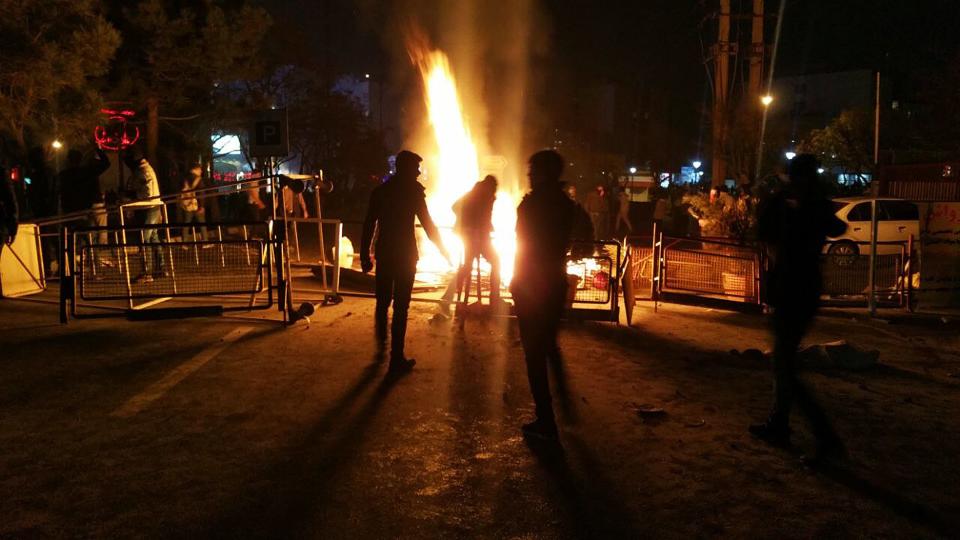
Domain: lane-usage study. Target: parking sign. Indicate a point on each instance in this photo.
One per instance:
(269, 134)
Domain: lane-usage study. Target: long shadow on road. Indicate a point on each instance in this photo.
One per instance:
(896, 502)
(287, 494)
(588, 499)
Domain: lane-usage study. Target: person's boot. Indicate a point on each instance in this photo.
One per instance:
(541, 429)
(399, 364)
(775, 434)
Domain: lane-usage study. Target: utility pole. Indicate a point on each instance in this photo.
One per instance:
(757, 56)
(721, 89)
(757, 51)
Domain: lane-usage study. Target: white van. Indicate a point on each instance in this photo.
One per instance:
(897, 219)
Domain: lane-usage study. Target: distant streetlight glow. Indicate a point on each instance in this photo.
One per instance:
(790, 154)
(633, 170)
(56, 144)
(366, 75)
(697, 164)
(821, 170)
(766, 100)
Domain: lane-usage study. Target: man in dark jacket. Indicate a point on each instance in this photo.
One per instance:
(393, 207)
(80, 188)
(80, 183)
(547, 223)
(794, 224)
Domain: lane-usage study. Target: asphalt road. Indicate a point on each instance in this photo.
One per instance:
(237, 427)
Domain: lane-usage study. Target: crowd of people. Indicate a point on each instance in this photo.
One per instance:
(794, 225)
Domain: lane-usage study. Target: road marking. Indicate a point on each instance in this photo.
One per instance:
(153, 392)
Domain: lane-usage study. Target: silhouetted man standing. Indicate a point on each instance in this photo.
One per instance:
(393, 207)
(547, 222)
(794, 225)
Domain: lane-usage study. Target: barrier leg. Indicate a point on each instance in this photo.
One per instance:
(336, 259)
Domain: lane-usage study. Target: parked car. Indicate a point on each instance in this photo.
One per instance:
(897, 219)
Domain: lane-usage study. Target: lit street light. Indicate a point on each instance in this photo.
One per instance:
(56, 144)
(766, 100)
(633, 170)
(697, 164)
(790, 154)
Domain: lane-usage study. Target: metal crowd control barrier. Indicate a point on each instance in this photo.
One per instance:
(330, 287)
(156, 263)
(157, 271)
(710, 268)
(594, 270)
(846, 275)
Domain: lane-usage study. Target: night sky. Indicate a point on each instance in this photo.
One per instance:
(652, 50)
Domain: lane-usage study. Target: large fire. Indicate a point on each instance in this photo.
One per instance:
(452, 171)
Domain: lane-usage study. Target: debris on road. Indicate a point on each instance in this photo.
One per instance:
(835, 354)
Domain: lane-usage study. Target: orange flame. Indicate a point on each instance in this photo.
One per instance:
(455, 166)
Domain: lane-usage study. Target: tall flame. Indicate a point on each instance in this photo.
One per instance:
(455, 168)
(457, 164)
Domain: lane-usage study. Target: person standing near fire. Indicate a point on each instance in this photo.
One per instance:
(474, 224)
(548, 222)
(393, 206)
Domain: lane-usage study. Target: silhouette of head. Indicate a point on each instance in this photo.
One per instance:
(74, 157)
(803, 170)
(546, 166)
(488, 184)
(132, 158)
(408, 164)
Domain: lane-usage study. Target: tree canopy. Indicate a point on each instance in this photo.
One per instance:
(53, 53)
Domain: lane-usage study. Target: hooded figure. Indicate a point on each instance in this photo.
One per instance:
(143, 182)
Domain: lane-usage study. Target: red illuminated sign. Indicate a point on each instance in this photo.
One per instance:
(116, 134)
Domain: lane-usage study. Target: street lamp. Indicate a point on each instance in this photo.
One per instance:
(766, 100)
(790, 154)
(697, 164)
(633, 170)
(56, 144)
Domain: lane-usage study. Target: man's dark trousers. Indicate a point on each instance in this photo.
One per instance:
(539, 322)
(790, 323)
(394, 282)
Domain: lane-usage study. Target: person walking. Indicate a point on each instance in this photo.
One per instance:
(474, 225)
(794, 225)
(393, 206)
(623, 213)
(548, 221)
